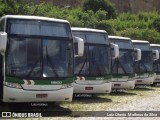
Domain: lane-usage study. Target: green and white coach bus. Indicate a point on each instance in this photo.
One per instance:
(93, 69)
(122, 67)
(156, 63)
(144, 67)
(37, 59)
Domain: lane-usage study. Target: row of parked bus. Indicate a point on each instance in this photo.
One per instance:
(130, 62)
(44, 59)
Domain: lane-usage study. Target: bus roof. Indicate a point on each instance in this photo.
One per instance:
(139, 41)
(87, 29)
(118, 37)
(155, 45)
(34, 18)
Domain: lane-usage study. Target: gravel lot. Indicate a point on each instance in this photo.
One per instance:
(151, 103)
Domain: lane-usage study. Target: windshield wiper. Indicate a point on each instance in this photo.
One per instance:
(35, 64)
(155, 65)
(144, 66)
(117, 62)
(122, 67)
(53, 68)
(83, 63)
(93, 60)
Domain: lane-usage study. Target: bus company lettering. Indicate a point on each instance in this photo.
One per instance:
(100, 78)
(56, 82)
(125, 77)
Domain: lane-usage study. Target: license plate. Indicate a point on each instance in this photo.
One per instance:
(139, 80)
(41, 95)
(117, 85)
(88, 88)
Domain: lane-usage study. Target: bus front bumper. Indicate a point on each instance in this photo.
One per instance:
(123, 84)
(145, 81)
(157, 79)
(92, 88)
(21, 95)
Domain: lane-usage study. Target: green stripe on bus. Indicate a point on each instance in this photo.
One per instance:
(40, 82)
(149, 73)
(158, 73)
(106, 78)
(122, 76)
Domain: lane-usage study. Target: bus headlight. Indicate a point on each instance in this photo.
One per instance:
(151, 75)
(66, 86)
(13, 85)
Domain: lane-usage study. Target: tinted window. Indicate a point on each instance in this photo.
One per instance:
(156, 48)
(142, 46)
(92, 37)
(36, 27)
(123, 44)
(38, 57)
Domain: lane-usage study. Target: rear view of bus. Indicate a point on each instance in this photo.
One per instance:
(93, 69)
(37, 61)
(144, 67)
(122, 67)
(156, 63)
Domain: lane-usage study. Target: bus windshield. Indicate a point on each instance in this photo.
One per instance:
(146, 62)
(39, 57)
(124, 64)
(96, 59)
(156, 64)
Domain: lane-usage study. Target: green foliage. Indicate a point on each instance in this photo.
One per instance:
(47, 10)
(96, 5)
(147, 15)
(2, 7)
(156, 24)
(150, 35)
(144, 25)
(104, 25)
(101, 15)
(16, 7)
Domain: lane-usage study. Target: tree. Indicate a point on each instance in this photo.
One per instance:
(96, 5)
(16, 7)
(156, 24)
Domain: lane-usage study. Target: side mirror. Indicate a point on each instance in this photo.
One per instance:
(155, 55)
(3, 42)
(116, 50)
(80, 42)
(138, 55)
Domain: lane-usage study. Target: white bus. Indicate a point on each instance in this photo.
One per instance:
(37, 59)
(156, 64)
(93, 69)
(144, 67)
(122, 67)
